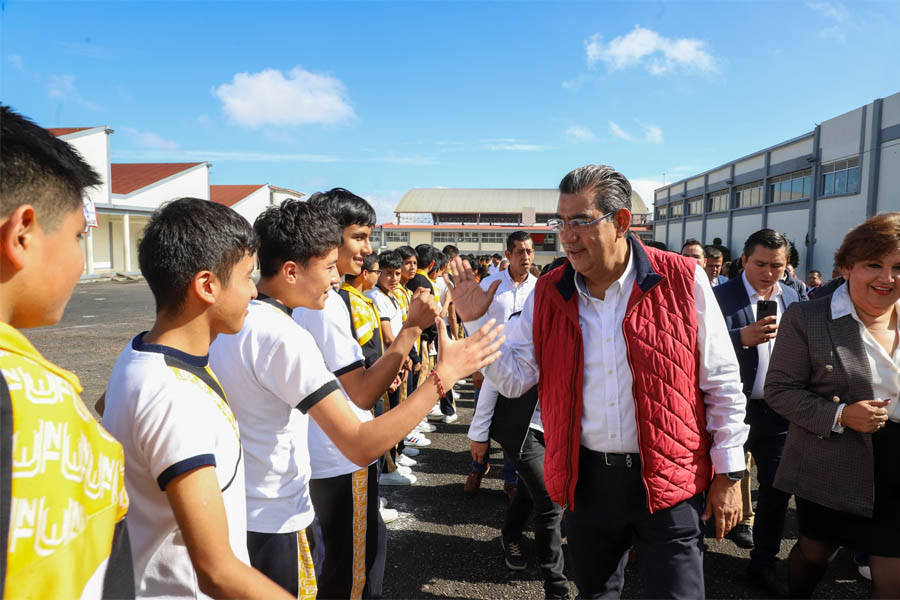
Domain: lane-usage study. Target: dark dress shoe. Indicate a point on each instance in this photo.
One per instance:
(742, 536)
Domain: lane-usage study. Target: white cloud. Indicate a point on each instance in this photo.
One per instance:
(653, 134)
(62, 88)
(578, 134)
(384, 205)
(837, 14)
(659, 55)
(645, 188)
(416, 160)
(16, 61)
(270, 98)
(513, 145)
(148, 139)
(619, 132)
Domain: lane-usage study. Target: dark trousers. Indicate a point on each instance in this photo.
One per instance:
(338, 502)
(532, 494)
(768, 432)
(276, 555)
(611, 515)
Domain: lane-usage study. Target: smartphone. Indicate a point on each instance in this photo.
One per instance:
(766, 308)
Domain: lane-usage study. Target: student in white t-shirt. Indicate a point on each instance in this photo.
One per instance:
(184, 469)
(341, 491)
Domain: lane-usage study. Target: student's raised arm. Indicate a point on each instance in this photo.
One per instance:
(200, 512)
(364, 442)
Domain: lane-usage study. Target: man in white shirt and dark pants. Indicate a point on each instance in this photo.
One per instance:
(640, 393)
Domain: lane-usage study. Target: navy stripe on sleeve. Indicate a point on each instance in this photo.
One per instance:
(350, 367)
(183, 466)
(314, 398)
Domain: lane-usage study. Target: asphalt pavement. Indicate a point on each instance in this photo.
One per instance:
(444, 545)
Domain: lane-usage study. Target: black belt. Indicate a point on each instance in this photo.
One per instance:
(621, 460)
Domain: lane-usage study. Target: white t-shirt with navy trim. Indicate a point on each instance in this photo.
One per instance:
(333, 331)
(388, 309)
(273, 373)
(169, 413)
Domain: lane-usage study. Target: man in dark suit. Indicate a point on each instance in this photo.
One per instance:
(713, 265)
(764, 260)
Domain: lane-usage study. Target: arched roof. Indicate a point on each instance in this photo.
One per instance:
(489, 200)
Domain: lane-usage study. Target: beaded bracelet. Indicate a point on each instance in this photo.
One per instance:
(437, 382)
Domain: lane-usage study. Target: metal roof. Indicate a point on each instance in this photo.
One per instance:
(489, 201)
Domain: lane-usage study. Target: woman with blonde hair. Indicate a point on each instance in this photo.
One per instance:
(835, 376)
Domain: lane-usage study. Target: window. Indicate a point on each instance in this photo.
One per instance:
(695, 205)
(676, 209)
(718, 201)
(793, 186)
(443, 237)
(493, 237)
(455, 218)
(841, 177)
(661, 213)
(396, 236)
(749, 194)
(468, 237)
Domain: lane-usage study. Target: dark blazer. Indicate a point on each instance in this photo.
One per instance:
(720, 279)
(735, 305)
(817, 363)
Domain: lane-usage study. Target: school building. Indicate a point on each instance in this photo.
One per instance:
(812, 188)
(130, 192)
(478, 221)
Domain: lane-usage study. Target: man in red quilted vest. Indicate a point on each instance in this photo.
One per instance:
(640, 393)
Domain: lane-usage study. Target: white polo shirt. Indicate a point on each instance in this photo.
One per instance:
(273, 373)
(171, 416)
(331, 328)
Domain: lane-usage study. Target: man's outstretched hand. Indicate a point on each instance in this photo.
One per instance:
(470, 300)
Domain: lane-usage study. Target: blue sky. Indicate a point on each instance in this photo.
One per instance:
(384, 97)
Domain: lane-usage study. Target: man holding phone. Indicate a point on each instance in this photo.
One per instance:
(752, 305)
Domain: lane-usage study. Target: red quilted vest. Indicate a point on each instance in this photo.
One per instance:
(660, 330)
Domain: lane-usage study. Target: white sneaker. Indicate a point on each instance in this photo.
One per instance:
(410, 452)
(416, 441)
(424, 427)
(451, 418)
(389, 514)
(382, 502)
(406, 461)
(396, 478)
(865, 571)
(435, 414)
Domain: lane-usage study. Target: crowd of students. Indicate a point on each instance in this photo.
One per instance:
(242, 433)
(246, 434)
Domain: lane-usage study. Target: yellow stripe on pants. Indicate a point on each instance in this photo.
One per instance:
(306, 570)
(360, 518)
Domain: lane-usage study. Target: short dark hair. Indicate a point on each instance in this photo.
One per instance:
(406, 252)
(767, 238)
(496, 255)
(712, 252)
(425, 255)
(295, 231)
(816, 271)
(389, 260)
(692, 242)
(41, 170)
(516, 236)
(186, 236)
(440, 261)
(874, 238)
(369, 262)
(609, 189)
(717, 241)
(451, 250)
(345, 206)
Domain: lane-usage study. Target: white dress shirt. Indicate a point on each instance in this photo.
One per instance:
(764, 350)
(509, 299)
(885, 368)
(608, 421)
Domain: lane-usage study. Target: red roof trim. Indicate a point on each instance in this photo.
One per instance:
(61, 131)
(129, 177)
(229, 195)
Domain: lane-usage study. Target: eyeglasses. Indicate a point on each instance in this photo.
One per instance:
(576, 224)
